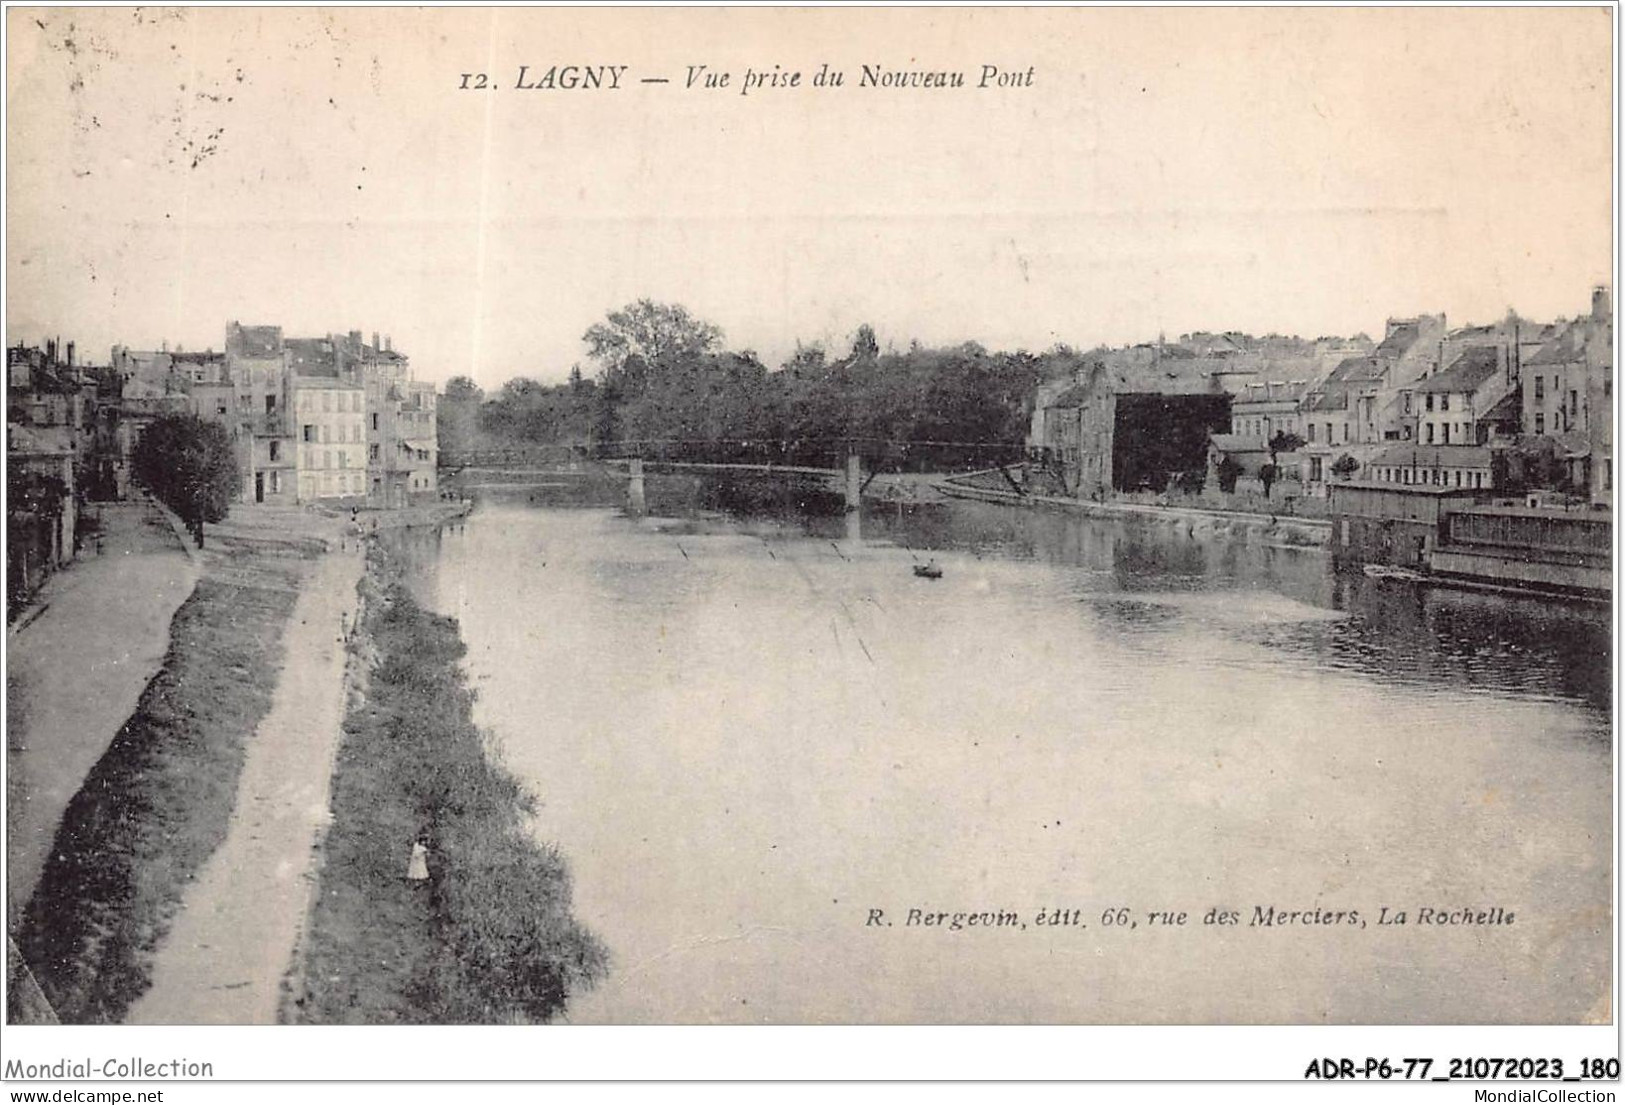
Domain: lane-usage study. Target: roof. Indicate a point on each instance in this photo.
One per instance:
(1328, 401)
(1272, 391)
(1357, 370)
(259, 341)
(312, 356)
(1509, 408)
(1239, 443)
(1476, 364)
(1567, 347)
(1401, 336)
(1435, 456)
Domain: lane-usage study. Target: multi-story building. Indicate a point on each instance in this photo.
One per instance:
(1465, 404)
(257, 366)
(330, 454)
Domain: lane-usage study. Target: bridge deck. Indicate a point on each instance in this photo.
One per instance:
(768, 468)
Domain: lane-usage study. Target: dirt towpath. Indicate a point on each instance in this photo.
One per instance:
(75, 672)
(234, 937)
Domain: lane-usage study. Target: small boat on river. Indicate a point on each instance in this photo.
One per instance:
(928, 571)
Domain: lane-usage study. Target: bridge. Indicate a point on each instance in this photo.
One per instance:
(854, 462)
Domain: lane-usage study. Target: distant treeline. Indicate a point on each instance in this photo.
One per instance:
(662, 376)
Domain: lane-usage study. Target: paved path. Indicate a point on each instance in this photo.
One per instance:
(234, 937)
(75, 673)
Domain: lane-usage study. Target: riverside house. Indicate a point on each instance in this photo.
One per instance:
(1458, 466)
(1466, 403)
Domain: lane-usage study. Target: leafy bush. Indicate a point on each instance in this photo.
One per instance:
(1189, 482)
(1229, 473)
(1345, 466)
(1285, 441)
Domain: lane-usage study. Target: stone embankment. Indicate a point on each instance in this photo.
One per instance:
(1274, 529)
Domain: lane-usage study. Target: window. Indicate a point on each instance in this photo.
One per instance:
(1430, 402)
(1345, 433)
(1574, 401)
(310, 433)
(374, 420)
(1444, 431)
(1311, 431)
(327, 433)
(1430, 433)
(327, 401)
(276, 451)
(270, 404)
(1540, 420)
(372, 451)
(1407, 402)
(1540, 388)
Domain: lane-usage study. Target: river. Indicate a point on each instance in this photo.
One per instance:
(762, 742)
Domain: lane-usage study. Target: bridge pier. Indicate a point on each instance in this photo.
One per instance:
(634, 487)
(854, 482)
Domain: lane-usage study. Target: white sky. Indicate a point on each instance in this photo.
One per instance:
(1294, 171)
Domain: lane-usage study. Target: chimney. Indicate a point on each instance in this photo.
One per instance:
(387, 346)
(375, 345)
(1602, 307)
(70, 354)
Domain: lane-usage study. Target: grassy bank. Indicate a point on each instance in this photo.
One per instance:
(489, 936)
(159, 801)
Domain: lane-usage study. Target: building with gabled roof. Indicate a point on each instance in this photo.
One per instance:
(1454, 403)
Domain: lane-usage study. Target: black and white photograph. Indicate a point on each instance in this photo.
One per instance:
(542, 517)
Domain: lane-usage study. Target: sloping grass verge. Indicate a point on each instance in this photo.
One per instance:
(489, 937)
(159, 801)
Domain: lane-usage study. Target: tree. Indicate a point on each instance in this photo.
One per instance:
(1345, 466)
(1266, 475)
(1285, 441)
(865, 346)
(462, 389)
(189, 464)
(662, 334)
(1229, 471)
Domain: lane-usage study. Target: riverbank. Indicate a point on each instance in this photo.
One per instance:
(239, 919)
(77, 663)
(1274, 529)
(158, 801)
(487, 935)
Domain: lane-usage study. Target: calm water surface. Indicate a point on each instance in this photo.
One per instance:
(746, 735)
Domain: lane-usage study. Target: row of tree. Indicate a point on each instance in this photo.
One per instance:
(663, 380)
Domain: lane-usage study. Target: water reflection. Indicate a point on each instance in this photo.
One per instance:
(747, 727)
